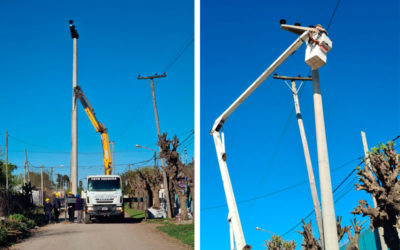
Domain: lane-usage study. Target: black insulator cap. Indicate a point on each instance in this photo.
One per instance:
(311, 26)
(71, 21)
(297, 24)
(299, 76)
(275, 74)
(282, 21)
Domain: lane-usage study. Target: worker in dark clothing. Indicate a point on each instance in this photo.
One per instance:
(47, 207)
(56, 207)
(71, 208)
(79, 208)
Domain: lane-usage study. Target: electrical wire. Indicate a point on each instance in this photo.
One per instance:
(179, 54)
(333, 15)
(312, 212)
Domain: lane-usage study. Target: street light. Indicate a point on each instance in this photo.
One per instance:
(260, 229)
(155, 153)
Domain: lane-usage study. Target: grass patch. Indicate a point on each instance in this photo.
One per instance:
(136, 214)
(183, 232)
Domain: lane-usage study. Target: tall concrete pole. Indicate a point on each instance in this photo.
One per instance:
(165, 180)
(368, 167)
(74, 116)
(6, 160)
(328, 210)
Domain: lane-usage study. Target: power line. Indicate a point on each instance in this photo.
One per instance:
(312, 212)
(179, 54)
(333, 15)
(261, 196)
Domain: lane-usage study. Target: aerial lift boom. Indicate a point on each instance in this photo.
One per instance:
(236, 232)
(99, 128)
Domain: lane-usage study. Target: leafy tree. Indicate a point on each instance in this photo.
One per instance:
(382, 182)
(278, 243)
(11, 178)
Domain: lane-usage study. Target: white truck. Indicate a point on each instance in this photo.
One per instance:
(103, 197)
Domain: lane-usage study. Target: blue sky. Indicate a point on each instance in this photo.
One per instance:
(360, 91)
(117, 42)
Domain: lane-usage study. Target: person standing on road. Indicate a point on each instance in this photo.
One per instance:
(79, 208)
(47, 207)
(56, 207)
(71, 208)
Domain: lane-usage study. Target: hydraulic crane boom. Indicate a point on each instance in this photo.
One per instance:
(99, 128)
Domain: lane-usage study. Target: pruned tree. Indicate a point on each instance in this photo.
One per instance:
(175, 170)
(278, 243)
(152, 177)
(309, 241)
(382, 182)
(353, 239)
(341, 231)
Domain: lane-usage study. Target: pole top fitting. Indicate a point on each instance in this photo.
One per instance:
(74, 32)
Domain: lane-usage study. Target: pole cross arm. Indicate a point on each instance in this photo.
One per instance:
(219, 122)
(294, 78)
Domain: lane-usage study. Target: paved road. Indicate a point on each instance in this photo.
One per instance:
(106, 235)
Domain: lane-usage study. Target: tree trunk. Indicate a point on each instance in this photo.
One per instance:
(156, 200)
(390, 233)
(182, 201)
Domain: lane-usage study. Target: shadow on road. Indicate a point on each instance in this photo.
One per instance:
(126, 220)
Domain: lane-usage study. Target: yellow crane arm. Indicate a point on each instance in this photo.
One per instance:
(98, 126)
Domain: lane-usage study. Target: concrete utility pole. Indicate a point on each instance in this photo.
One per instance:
(328, 209)
(113, 158)
(368, 167)
(27, 166)
(314, 193)
(165, 180)
(6, 160)
(74, 117)
(41, 184)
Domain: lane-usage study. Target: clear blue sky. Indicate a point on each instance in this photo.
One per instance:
(118, 41)
(360, 91)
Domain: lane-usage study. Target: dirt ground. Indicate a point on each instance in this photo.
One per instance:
(130, 234)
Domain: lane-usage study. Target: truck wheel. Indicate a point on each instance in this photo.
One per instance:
(87, 218)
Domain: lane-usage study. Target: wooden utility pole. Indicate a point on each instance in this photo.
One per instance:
(368, 167)
(51, 178)
(41, 184)
(27, 166)
(165, 179)
(6, 160)
(311, 179)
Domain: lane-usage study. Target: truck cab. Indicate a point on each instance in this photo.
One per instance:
(103, 197)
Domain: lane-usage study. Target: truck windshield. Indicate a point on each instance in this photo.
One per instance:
(104, 184)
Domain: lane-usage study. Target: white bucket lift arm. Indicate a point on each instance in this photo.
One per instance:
(238, 242)
(219, 122)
